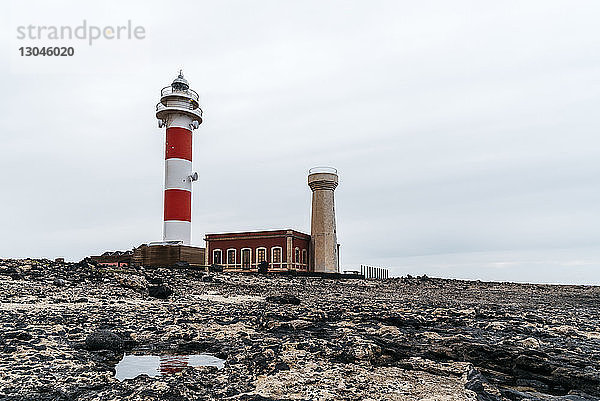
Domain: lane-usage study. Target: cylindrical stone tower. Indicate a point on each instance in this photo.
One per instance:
(180, 113)
(323, 238)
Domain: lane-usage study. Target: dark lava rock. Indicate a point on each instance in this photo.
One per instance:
(59, 282)
(257, 397)
(215, 268)
(477, 382)
(8, 349)
(20, 335)
(17, 275)
(24, 336)
(263, 267)
(285, 299)
(160, 291)
(154, 280)
(279, 366)
(103, 340)
(191, 347)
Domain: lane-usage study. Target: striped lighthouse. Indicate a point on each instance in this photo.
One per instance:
(179, 112)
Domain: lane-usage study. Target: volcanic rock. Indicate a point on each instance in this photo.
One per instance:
(294, 338)
(160, 291)
(59, 282)
(137, 283)
(285, 299)
(103, 340)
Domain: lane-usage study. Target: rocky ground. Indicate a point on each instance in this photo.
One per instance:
(286, 338)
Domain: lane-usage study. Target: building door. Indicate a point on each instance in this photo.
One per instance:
(217, 257)
(246, 258)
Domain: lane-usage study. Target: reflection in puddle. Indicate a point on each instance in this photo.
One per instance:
(153, 365)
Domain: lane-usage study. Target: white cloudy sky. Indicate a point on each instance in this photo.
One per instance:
(465, 132)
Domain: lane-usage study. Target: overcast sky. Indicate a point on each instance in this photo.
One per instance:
(465, 133)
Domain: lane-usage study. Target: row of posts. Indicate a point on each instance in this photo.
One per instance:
(372, 272)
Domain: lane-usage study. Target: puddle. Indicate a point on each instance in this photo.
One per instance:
(132, 366)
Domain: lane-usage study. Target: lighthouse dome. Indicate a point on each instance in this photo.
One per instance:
(180, 83)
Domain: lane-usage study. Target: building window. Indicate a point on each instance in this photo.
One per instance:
(231, 257)
(246, 258)
(304, 258)
(261, 255)
(297, 256)
(217, 257)
(276, 256)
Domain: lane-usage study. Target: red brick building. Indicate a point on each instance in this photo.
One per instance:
(244, 251)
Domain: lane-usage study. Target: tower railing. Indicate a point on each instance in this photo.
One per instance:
(168, 90)
(189, 106)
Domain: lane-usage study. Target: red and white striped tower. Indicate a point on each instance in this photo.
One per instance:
(180, 113)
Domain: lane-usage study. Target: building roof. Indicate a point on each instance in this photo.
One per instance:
(117, 253)
(256, 234)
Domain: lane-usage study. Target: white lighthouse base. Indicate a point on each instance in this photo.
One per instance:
(175, 230)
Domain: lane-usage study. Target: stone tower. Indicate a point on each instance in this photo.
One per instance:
(323, 238)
